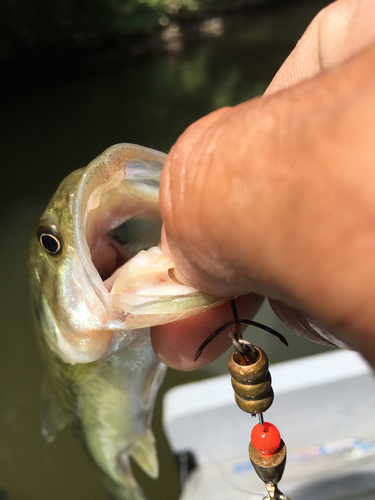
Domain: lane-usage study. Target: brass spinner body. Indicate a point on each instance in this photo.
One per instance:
(254, 395)
(270, 469)
(251, 383)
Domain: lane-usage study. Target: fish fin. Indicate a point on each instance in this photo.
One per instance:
(143, 451)
(127, 488)
(152, 383)
(54, 417)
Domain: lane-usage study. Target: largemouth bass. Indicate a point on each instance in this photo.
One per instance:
(99, 280)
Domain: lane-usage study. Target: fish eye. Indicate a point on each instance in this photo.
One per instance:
(49, 240)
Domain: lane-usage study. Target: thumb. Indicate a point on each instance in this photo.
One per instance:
(256, 199)
(196, 194)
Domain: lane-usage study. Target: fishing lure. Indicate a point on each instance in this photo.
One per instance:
(251, 381)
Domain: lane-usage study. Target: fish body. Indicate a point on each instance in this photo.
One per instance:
(99, 281)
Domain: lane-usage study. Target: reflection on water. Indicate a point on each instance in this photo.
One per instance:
(48, 132)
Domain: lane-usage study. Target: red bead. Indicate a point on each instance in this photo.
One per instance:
(266, 438)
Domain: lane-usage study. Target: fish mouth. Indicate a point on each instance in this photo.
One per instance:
(117, 231)
(116, 210)
(118, 245)
(122, 213)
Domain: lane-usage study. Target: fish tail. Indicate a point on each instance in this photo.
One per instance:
(122, 485)
(127, 489)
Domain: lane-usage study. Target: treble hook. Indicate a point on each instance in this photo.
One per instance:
(242, 347)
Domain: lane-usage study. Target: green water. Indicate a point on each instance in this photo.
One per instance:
(49, 131)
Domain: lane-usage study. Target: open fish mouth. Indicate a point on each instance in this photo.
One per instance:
(117, 227)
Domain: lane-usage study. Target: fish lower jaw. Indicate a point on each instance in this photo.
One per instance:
(84, 348)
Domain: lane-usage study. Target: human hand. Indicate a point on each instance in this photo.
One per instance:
(275, 196)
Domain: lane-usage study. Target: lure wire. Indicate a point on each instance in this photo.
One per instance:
(261, 419)
(242, 347)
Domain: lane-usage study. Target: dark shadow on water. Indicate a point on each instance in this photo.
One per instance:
(40, 65)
